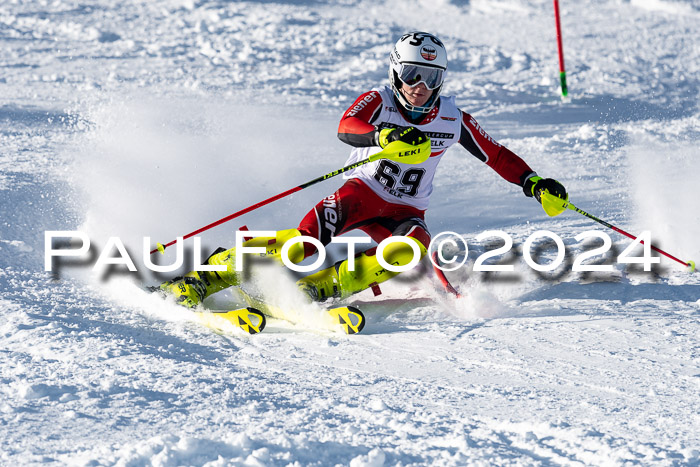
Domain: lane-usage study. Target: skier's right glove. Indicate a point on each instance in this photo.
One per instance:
(408, 134)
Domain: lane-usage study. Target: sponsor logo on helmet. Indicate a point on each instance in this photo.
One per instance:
(417, 38)
(428, 52)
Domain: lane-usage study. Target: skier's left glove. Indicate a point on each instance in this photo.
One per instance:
(535, 186)
(407, 134)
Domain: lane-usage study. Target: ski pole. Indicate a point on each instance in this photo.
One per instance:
(396, 151)
(565, 204)
(562, 71)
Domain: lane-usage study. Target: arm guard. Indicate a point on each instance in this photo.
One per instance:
(356, 127)
(501, 159)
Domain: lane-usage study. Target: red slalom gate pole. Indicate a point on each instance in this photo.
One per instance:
(562, 69)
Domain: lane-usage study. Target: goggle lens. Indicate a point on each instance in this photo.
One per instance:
(412, 75)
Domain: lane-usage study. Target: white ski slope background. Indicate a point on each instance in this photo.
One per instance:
(153, 118)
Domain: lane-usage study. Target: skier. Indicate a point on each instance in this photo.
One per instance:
(383, 198)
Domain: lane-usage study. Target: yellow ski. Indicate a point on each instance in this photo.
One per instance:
(249, 319)
(350, 319)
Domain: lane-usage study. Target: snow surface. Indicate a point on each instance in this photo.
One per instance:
(152, 118)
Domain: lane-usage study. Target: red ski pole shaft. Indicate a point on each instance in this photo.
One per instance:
(262, 203)
(398, 151)
(690, 264)
(562, 69)
(231, 216)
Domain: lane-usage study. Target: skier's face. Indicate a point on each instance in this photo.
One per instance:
(417, 95)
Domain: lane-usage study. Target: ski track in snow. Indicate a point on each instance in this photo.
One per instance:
(154, 118)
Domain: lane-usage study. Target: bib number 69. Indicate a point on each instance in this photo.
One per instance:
(409, 181)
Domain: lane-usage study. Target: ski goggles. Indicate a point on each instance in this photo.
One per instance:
(413, 75)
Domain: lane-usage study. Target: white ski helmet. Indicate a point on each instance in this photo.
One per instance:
(418, 57)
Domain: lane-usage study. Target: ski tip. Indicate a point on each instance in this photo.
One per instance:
(254, 328)
(691, 265)
(249, 319)
(350, 318)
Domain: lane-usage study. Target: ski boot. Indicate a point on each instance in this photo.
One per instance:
(195, 286)
(338, 281)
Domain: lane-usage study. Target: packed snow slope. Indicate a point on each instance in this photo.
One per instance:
(152, 118)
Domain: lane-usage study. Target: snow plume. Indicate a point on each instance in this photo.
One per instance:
(666, 190)
(480, 303)
(161, 168)
(274, 282)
